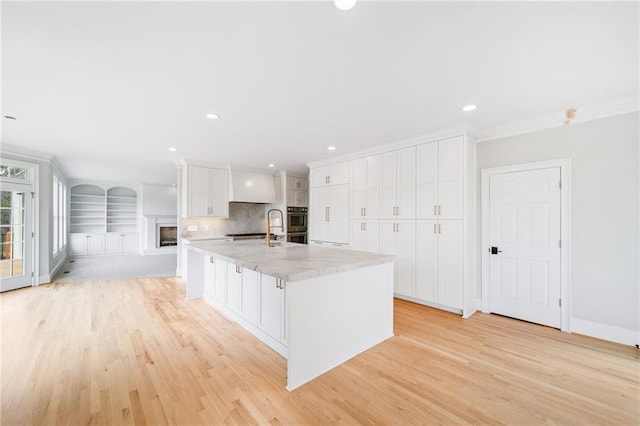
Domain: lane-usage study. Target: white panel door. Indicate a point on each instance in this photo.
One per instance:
(219, 193)
(427, 260)
(427, 181)
(372, 188)
(318, 212)
(220, 281)
(198, 186)
(364, 236)
(338, 214)
(234, 287)
(96, 244)
(405, 264)
(357, 185)
(271, 307)
(16, 258)
(250, 294)
(451, 178)
(208, 287)
(114, 242)
(130, 242)
(77, 244)
(525, 231)
(450, 262)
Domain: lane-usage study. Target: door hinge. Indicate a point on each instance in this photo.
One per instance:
(560, 243)
(560, 303)
(33, 194)
(560, 184)
(33, 235)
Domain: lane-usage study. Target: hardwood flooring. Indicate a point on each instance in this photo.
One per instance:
(135, 352)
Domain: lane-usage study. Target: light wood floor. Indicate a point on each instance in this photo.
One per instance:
(135, 352)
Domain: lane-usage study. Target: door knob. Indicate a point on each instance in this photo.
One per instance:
(494, 250)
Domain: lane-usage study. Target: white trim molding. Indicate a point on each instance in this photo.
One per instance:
(565, 231)
(584, 113)
(611, 333)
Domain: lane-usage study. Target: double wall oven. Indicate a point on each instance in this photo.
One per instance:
(297, 225)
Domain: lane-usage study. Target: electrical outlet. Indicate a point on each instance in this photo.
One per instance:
(206, 227)
(192, 228)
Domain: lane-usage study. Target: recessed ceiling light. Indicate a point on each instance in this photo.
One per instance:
(172, 149)
(271, 165)
(331, 148)
(468, 108)
(212, 115)
(344, 4)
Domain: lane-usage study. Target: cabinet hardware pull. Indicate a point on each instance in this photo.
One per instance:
(435, 210)
(397, 227)
(212, 259)
(434, 228)
(361, 211)
(439, 209)
(439, 229)
(365, 211)
(328, 214)
(365, 226)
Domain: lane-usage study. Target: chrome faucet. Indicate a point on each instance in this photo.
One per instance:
(269, 226)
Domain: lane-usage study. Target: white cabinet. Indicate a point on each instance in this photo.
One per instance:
(329, 213)
(440, 179)
(297, 191)
(220, 282)
(86, 244)
(234, 287)
(398, 238)
(335, 174)
(297, 183)
(207, 192)
(364, 187)
(439, 262)
(272, 307)
(364, 235)
(117, 242)
(398, 184)
(209, 284)
(250, 295)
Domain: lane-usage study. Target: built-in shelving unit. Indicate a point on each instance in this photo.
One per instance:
(87, 209)
(121, 210)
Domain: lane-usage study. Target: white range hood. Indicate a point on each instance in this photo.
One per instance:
(246, 186)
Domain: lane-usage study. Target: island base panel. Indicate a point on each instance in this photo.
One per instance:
(333, 318)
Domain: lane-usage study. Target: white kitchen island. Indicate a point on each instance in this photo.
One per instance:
(316, 306)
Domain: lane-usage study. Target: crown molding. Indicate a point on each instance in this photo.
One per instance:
(584, 113)
(27, 154)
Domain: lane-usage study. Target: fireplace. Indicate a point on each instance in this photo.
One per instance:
(167, 235)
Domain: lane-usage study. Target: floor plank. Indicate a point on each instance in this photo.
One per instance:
(134, 352)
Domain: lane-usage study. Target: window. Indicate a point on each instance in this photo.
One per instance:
(59, 220)
(12, 172)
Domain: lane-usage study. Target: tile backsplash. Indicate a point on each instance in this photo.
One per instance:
(243, 218)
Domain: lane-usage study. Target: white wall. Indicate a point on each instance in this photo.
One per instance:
(159, 200)
(605, 211)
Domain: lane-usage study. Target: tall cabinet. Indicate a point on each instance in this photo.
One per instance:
(415, 201)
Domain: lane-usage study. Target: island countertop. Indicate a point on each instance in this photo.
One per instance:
(290, 261)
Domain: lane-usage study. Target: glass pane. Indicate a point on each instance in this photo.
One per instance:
(5, 234)
(5, 251)
(17, 234)
(18, 173)
(18, 216)
(5, 216)
(16, 267)
(17, 251)
(5, 199)
(4, 171)
(5, 268)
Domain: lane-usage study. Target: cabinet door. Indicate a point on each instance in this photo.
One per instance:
(357, 240)
(96, 244)
(197, 191)
(450, 257)
(271, 307)
(298, 183)
(451, 178)
(208, 289)
(406, 191)
(220, 282)
(77, 244)
(405, 261)
(339, 215)
(427, 181)
(318, 213)
(372, 236)
(339, 174)
(388, 183)
(130, 242)
(302, 198)
(372, 188)
(250, 294)
(318, 177)
(388, 238)
(357, 188)
(427, 260)
(219, 193)
(114, 242)
(234, 287)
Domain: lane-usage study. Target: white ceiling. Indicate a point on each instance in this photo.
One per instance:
(108, 87)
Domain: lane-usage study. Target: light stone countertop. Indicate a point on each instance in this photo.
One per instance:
(290, 261)
(212, 238)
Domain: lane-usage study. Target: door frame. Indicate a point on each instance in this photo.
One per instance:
(33, 179)
(565, 231)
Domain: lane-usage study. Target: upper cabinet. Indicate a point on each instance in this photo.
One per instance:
(398, 184)
(297, 191)
(206, 192)
(364, 188)
(335, 174)
(329, 214)
(440, 179)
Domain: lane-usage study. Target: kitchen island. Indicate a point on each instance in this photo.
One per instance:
(316, 306)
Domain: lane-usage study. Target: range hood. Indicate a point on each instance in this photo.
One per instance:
(246, 186)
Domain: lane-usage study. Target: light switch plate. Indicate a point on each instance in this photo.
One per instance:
(192, 228)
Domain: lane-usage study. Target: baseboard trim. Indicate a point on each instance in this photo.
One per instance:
(46, 278)
(611, 333)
